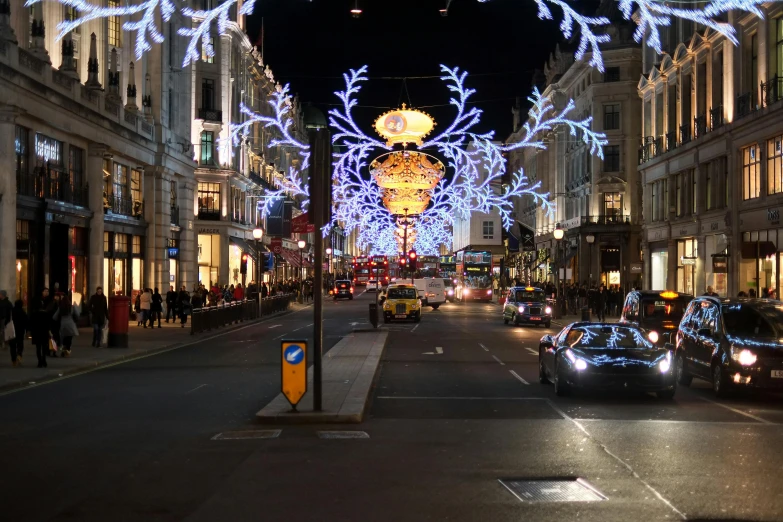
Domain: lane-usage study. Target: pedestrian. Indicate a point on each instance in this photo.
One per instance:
(6, 310)
(137, 309)
(601, 303)
(145, 304)
(752, 293)
(171, 304)
(67, 316)
(99, 313)
(710, 292)
(239, 292)
(183, 305)
(264, 291)
(19, 318)
(39, 331)
(156, 308)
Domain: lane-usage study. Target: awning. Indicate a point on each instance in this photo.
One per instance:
(762, 248)
(291, 257)
(244, 247)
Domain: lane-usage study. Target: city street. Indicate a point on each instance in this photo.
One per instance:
(456, 408)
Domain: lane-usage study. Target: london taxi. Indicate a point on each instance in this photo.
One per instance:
(343, 289)
(402, 302)
(526, 304)
(657, 311)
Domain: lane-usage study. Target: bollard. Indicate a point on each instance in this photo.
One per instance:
(374, 314)
(585, 314)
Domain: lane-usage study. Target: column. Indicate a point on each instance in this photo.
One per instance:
(95, 154)
(700, 284)
(8, 201)
(671, 270)
(188, 271)
(646, 267)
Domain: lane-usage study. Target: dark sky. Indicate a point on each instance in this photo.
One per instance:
(310, 44)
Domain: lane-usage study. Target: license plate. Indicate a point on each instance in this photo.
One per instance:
(401, 316)
(777, 374)
(535, 318)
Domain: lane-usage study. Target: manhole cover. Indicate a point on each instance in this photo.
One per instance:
(572, 490)
(342, 435)
(249, 434)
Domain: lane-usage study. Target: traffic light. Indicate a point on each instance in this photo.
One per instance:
(412, 260)
(267, 262)
(243, 265)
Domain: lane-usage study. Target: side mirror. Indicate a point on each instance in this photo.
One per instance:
(547, 341)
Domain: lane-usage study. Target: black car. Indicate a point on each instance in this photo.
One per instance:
(733, 343)
(605, 355)
(343, 289)
(659, 312)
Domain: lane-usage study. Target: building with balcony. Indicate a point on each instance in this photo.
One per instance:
(96, 156)
(598, 201)
(710, 157)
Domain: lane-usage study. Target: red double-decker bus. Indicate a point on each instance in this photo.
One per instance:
(361, 270)
(379, 269)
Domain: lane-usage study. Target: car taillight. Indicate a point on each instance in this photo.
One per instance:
(351, 289)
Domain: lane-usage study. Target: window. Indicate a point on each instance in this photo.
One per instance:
(613, 206)
(612, 74)
(114, 26)
(70, 14)
(136, 245)
(209, 198)
(612, 116)
(208, 94)
(206, 147)
(693, 191)
(120, 181)
(136, 185)
(754, 68)
(21, 140)
(612, 158)
(708, 185)
(75, 166)
(173, 194)
(205, 55)
(654, 202)
(48, 150)
(779, 47)
(678, 199)
(488, 230)
(751, 172)
(120, 243)
(207, 5)
(775, 165)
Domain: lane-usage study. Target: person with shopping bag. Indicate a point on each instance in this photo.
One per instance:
(67, 316)
(99, 312)
(6, 324)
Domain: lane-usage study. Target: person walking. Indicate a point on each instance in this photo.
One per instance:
(156, 308)
(19, 318)
(67, 316)
(137, 308)
(5, 316)
(145, 304)
(40, 319)
(171, 304)
(239, 292)
(601, 303)
(183, 305)
(99, 312)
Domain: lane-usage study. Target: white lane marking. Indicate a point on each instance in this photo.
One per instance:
(740, 412)
(301, 327)
(275, 326)
(618, 459)
(196, 388)
(438, 351)
(498, 360)
(414, 328)
(248, 434)
(485, 348)
(342, 434)
(520, 379)
(279, 337)
(405, 398)
(532, 351)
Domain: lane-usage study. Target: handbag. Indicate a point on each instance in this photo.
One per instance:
(52, 345)
(105, 333)
(9, 332)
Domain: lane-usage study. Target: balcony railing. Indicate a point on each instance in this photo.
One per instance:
(744, 104)
(647, 149)
(123, 206)
(50, 183)
(716, 117)
(258, 180)
(606, 219)
(207, 214)
(175, 215)
(685, 134)
(210, 115)
(238, 219)
(772, 90)
(671, 140)
(699, 126)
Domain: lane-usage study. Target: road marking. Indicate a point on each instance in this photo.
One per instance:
(618, 459)
(247, 435)
(485, 348)
(740, 412)
(532, 351)
(414, 328)
(498, 360)
(196, 388)
(342, 434)
(520, 379)
(438, 351)
(405, 398)
(305, 326)
(275, 326)
(280, 336)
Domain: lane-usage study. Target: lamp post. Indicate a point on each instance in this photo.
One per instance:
(301, 245)
(590, 240)
(257, 235)
(558, 234)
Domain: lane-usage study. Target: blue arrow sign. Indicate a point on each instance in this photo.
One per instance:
(294, 354)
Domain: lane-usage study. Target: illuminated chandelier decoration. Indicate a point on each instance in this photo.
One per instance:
(197, 25)
(407, 169)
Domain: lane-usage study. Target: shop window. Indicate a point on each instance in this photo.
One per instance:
(775, 165)
(137, 246)
(120, 244)
(120, 182)
(136, 185)
(612, 158)
(207, 138)
(21, 139)
(488, 230)
(209, 199)
(114, 32)
(751, 172)
(612, 116)
(613, 206)
(48, 151)
(76, 166)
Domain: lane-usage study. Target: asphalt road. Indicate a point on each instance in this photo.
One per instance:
(456, 408)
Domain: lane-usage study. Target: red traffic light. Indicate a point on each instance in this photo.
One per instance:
(244, 257)
(402, 261)
(412, 254)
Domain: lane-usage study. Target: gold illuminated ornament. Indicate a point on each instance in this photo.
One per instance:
(406, 169)
(398, 200)
(404, 126)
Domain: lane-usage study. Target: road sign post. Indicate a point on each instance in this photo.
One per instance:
(293, 370)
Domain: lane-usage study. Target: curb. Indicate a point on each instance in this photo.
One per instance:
(70, 372)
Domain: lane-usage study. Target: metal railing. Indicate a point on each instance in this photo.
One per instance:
(210, 115)
(671, 140)
(744, 104)
(276, 303)
(257, 179)
(699, 126)
(606, 219)
(716, 117)
(685, 134)
(209, 215)
(772, 90)
(209, 317)
(50, 183)
(123, 206)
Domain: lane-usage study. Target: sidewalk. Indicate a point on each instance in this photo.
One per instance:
(141, 341)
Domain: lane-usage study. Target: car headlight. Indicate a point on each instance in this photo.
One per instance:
(653, 336)
(414, 306)
(466, 291)
(548, 310)
(580, 365)
(451, 292)
(386, 306)
(744, 357)
(489, 292)
(666, 363)
(521, 308)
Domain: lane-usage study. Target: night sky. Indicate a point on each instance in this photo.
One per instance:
(310, 44)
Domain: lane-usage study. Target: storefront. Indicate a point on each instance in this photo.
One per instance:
(23, 262)
(761, 236)
(687, 254)
(611, 263)
(659, 265)
(209, 256)
(123, 263)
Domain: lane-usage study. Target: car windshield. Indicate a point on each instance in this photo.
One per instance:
(745, 321)
(525, 295)
(663, 310)
(607, 337)
(402, 293)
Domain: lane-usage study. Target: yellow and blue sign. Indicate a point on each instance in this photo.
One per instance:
(293, 371)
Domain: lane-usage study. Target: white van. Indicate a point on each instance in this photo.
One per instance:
(431, 291)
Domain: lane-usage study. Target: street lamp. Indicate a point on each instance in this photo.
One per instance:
(590, 240)
(558, 234)
(257, 235)
(301, 244)
(329, 261)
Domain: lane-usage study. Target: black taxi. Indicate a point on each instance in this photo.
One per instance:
(657, 311)
(526, 304)
(343, 289)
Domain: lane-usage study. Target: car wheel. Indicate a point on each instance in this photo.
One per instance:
(435, 306)
(666, 394)
(548, 324)
(542, 378)
(683, 377)
(561, 388)
(720, 384)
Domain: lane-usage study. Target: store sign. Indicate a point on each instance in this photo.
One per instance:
(720, 264)
(209, 231)
(637, 268)
(688, 261)
(173, 253)
(301, 224)
(773, 216)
